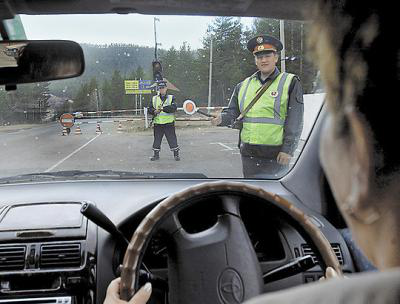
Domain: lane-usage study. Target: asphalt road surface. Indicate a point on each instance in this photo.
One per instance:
(209, 150)
(204, 149)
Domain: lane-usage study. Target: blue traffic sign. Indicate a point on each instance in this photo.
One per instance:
(145, 84)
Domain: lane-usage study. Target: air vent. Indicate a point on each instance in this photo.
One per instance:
(12, 258)
(65, 255)
(338, 252)
(306, 249)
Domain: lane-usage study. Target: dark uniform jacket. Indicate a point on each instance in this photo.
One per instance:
(167, 109)
(293, 123)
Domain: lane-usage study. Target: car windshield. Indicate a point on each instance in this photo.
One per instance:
(152, 92)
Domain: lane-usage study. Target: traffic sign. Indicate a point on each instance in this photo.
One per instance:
(145, 84)
(137, 91)
(138, 86)
(131, 84)
(67, 120)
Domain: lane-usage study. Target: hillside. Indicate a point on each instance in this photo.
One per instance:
(101, 61)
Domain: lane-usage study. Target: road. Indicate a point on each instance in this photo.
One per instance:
(204, 149)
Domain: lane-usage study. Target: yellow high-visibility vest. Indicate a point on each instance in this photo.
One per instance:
(264, 123)
(163, 118)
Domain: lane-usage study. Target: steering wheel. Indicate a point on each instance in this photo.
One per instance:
(218, 265)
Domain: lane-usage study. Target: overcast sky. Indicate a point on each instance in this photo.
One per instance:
(132, 28)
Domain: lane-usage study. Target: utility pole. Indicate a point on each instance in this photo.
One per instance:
(155, 38)
(96, 96)
(140, 100)
(282, 39)
(210, 76)
(301, 50)
(98, 99)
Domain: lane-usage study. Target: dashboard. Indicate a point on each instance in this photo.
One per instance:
(51, 253)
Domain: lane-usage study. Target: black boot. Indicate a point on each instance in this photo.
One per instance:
(156, 155)
(176, 155)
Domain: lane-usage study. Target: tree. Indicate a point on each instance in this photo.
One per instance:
(102, 60)
(140, 74)
(5, 107)
(265, 26)
(41, 94)
(230, 64)
(106, 95)
(82, 98)
(28, 102)
(296, 60)
(179, 67)
(117, 90)
(94, 99)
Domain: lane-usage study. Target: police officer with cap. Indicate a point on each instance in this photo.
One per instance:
(269, 128)
(163, 108)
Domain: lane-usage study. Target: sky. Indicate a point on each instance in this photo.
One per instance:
(133, 28)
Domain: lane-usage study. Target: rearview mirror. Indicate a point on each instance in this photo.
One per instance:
(27, 61)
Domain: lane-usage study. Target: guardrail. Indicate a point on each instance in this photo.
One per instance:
(138, 117)
(98, 113)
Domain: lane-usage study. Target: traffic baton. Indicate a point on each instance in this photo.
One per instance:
(189, 107)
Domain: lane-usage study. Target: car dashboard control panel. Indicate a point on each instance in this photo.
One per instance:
(47, 254)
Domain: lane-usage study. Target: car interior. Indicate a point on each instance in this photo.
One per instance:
(197, 239)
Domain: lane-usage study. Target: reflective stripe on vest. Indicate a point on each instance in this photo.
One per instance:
(263, 124)
(163, 117)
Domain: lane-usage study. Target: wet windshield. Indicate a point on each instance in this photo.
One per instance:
(177, 96)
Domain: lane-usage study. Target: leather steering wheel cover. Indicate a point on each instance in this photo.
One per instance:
(138, 243)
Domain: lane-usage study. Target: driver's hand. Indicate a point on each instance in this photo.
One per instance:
(331, 273)
(112, 297)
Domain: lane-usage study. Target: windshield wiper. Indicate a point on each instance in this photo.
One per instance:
(99, 174)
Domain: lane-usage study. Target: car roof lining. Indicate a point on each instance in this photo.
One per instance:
(288, 9)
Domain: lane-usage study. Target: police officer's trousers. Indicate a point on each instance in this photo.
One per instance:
(257, 167)
(169, 131)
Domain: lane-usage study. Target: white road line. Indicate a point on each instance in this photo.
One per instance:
(221, 144)
(68, 156)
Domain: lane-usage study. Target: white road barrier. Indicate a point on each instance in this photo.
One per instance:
(312, 106)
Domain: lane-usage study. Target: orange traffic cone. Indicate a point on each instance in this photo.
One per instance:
(64, 131)
(98, 130)
(78, 130)
(119, 130)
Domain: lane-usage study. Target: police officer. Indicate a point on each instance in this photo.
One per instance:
(162, 108)
(270, 130)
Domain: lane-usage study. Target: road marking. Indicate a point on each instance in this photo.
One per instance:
(68, 156)
(221, 144)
